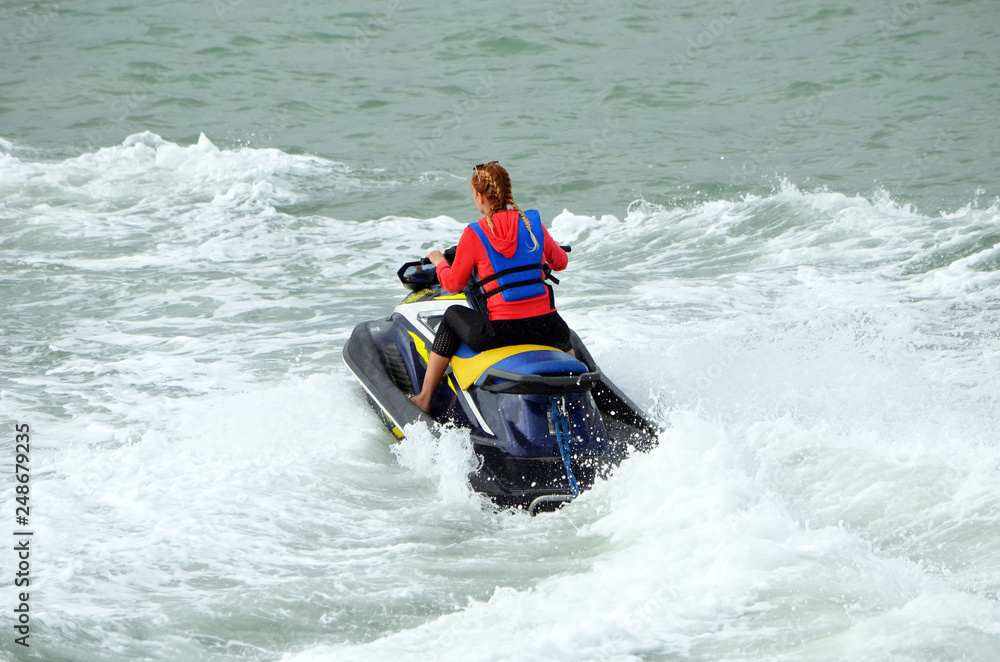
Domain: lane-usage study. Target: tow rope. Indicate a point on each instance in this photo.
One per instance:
(557, 416)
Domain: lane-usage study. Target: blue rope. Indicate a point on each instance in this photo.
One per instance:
(561, 425)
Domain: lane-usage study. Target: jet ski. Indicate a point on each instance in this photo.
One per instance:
(543, 424)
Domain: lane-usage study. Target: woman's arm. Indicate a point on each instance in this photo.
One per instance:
(554, 254)
(454, 277)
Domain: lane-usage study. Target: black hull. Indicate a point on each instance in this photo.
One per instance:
(363, 356)
(387, 372)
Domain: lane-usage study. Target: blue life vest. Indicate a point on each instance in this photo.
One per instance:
(519, 277)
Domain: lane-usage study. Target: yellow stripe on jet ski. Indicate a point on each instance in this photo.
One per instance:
(469, 370)
(421, 346)
(446, 297)
(420, 295)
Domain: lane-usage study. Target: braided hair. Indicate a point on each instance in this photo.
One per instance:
(493, 182)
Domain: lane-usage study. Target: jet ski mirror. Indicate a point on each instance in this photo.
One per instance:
(418, 275)
(421, 274)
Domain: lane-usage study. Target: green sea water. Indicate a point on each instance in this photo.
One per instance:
(590, 104)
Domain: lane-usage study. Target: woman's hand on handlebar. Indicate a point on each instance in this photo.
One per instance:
(436, 257)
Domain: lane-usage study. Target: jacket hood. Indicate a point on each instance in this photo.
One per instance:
(505, 225)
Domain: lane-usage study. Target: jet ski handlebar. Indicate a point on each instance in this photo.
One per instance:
(420, 274)
(449, 254)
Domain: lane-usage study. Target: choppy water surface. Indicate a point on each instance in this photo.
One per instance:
(786, 246)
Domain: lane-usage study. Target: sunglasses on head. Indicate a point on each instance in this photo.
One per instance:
(484, 164)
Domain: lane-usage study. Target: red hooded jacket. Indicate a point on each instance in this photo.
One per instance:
(472, 254)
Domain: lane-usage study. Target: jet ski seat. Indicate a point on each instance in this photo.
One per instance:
(471, 368)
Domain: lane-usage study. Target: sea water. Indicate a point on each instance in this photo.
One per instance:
(786, 248)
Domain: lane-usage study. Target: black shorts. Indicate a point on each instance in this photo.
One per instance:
(461, 324)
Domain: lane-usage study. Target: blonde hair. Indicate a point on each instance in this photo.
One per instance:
(493, 182)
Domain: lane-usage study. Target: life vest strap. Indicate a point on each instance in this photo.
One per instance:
(510, 286)
(506, 272)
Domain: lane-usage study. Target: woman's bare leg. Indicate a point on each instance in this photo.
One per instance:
(436, 365)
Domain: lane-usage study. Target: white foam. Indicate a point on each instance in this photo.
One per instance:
(699, 547)
(446, 456)
(828, 364)
(150, 176)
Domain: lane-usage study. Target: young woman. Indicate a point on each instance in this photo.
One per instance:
(507, 251)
